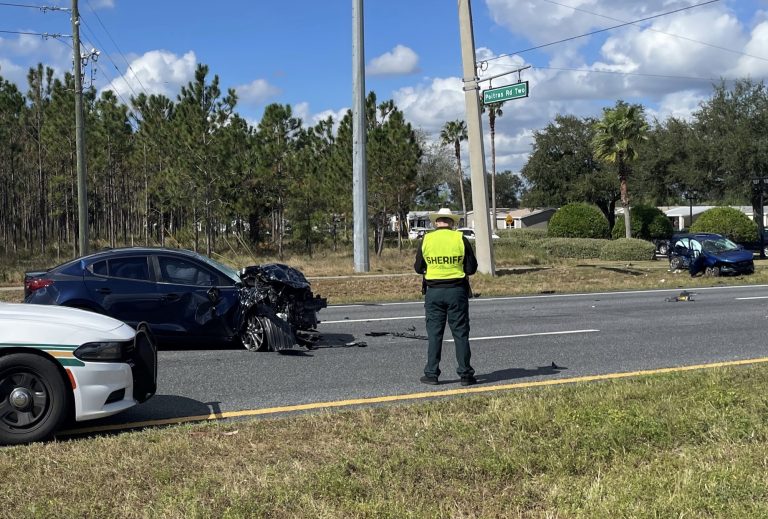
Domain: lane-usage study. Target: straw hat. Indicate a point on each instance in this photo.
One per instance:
(444, 212)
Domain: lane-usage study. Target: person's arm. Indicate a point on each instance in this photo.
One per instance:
(420, 266)
(470, 261)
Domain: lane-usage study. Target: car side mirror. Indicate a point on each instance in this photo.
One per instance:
(213, 294)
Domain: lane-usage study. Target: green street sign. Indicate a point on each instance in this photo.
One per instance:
(505, 93)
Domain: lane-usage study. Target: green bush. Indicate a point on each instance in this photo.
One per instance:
(628, 249)
(579, 248)
(578, 220)
(528, 233)
(729, 222)
(646, 222)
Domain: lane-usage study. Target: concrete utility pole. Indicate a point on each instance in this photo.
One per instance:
(484, 251)
(359, 174)
(82, 193)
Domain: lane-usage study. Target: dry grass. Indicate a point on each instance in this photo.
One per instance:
(682, 445)
(392, 278)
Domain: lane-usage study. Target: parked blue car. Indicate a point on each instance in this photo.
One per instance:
(186, 297)
(710, 253)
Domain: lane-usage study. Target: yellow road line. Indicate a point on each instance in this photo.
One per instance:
(409, 396)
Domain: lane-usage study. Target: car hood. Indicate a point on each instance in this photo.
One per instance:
(35, 324)
(734, 256)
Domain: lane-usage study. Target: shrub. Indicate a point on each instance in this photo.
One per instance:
(628, 249)
(528, 233)
(729, 222)
(578, 220)
(579, 248)
(646, 223)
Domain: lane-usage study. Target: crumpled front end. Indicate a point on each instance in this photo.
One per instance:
(277, 308)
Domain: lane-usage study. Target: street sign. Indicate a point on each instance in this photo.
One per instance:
(505, 93)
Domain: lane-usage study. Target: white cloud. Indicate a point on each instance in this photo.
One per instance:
(12, 72)
(256, 92)
(432, 103)
(680, 105)
(756, 46)
(101, 4)
(399, 61)
(156, 72)
(25, 51)
(309, 119)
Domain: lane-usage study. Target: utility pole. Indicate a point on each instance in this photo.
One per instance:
(484, 250)
(82, 193)
(359, 174)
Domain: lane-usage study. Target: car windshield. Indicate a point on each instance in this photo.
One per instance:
(718, 245)
(224, 269)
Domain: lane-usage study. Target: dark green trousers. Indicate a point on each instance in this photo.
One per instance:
(452, 305)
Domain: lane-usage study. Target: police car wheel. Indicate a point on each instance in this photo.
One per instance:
(33, 398)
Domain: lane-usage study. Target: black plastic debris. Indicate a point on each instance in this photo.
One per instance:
(405, 335)
(683, 296)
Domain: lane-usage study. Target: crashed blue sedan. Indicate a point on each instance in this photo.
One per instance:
(712, 254)
(186, 297)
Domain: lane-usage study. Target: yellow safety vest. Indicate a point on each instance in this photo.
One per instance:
(443, 251)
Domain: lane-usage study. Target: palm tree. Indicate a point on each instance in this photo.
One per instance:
(494, 111)
(617, 137)
(454, 132)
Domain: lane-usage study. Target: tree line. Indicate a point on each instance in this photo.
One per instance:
(710, 159)
(191, 171)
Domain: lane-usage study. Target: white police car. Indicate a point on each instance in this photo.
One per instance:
(59, 364)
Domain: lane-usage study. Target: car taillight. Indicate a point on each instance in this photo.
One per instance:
(37, 283)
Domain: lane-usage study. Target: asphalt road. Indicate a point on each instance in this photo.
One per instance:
(514, 339)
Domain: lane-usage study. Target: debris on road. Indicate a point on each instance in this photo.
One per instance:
(404, 335)
(683, 296)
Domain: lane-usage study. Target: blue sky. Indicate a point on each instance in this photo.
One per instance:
(299, 53)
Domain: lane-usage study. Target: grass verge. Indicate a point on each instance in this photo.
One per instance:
(688, 444)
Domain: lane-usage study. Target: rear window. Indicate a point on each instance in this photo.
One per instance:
(100, 268)
(135, 268)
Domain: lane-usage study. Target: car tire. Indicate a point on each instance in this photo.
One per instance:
(663, 249)
(675, 264)
(254, 334)
(265, 331)
(33, 398)
(712, 271)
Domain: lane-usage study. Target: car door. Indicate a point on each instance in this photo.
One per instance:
(197, 303)
(124, 288)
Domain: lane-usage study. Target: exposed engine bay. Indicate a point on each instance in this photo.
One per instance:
(278, 308)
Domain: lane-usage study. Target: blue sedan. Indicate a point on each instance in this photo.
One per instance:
(185, 296)
(710, 253)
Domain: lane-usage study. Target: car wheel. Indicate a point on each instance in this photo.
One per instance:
(33, 398)
(675, 264)
(663, 249)
(712, 271)
(254, 335)
(266, 331)
(765, 252)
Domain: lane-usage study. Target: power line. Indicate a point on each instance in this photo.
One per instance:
(658, 31)
(602, 30)
(657, 76)
(117, 47)
(43, 34)
(43, 8)
(108, 56)
(109, 80)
